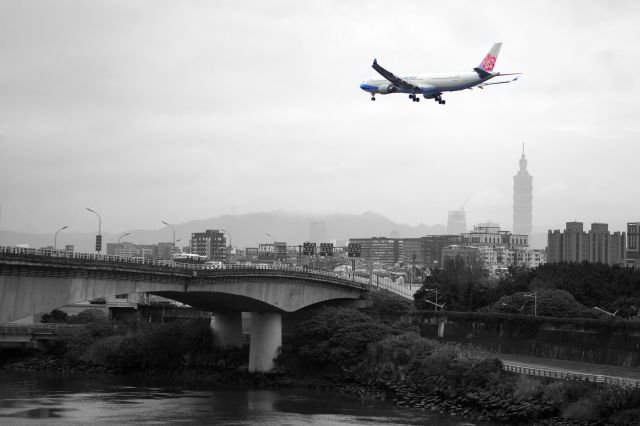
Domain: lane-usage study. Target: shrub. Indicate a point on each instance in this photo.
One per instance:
(88, 316)
(106, 351)
(394, 356)
(526, 387)
(55, 316)
(336, 338)
(582, 409)
(565, 392)
(625, 417)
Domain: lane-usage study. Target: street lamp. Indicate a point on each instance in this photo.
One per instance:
(274, 247)
(435, 305)
(122, 236)
(607, 312)
(174, 235)
(99, 236)
(55, 237)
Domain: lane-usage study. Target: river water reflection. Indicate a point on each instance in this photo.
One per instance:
(36, 398)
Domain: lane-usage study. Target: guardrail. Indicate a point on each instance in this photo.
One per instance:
(384, 283)
(40, 328)
(570, 375)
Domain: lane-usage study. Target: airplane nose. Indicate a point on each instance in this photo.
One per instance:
(366, 87)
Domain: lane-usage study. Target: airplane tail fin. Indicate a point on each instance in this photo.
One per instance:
(489, 61)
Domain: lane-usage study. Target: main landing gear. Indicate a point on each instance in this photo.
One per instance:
(439, 100)
(414, 98)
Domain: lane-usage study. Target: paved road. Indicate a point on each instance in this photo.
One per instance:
(571, 366)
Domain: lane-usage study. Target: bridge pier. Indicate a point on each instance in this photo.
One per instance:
(266, 340)
(227, 326)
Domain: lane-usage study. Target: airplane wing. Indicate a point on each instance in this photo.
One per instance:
(397, 81)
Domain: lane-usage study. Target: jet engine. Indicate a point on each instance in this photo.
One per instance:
(384, 89)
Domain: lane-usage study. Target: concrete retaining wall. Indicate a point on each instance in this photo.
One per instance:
(602, 342)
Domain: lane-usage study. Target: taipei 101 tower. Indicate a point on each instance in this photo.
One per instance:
(522, 197)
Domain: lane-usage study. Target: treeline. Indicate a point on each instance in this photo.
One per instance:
(572, 287)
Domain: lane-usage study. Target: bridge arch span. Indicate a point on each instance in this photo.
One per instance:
(29, 285)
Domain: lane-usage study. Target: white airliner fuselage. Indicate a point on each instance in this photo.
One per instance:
(431, 86)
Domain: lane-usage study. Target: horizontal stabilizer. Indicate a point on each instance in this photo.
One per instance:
(481, 86)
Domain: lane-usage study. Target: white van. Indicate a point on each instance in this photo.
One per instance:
(213, 264)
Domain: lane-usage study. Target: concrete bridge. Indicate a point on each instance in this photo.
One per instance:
(35, 281)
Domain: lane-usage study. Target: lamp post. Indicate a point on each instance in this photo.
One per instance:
(435, 304)
(174, 236)
(99, 236)
(55, 237)
(230, 246)
(274, 248)
(122, 236)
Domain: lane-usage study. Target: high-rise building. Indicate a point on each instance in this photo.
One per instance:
(211, 243)
(576, 245)
(432, 246)
(633, 244)
(412, 253)
(387, 251)
(456, 222)
(522, 199)
(490, 234)
(470, 255)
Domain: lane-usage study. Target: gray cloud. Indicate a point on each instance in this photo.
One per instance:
(181, 110)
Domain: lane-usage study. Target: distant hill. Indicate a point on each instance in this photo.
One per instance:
(247, 230)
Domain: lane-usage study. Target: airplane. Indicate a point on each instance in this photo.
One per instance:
(432, 86)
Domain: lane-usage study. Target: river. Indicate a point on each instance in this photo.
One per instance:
(42, 399)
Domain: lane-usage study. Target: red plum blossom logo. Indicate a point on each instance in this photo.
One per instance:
(489, 62)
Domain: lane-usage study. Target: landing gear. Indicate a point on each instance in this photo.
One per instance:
(439, 100)
(373, 98)
(414, 98)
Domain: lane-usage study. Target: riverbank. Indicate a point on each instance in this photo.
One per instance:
(434, 395)
(343, 351)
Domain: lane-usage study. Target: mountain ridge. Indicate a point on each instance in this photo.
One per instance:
(248, 230)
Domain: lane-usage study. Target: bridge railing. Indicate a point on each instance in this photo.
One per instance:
(95, 257)
(569, 375)
(376, 281)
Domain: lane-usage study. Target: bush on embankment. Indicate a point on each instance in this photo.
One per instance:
(333, 340)
(144, 346)
(423, 373)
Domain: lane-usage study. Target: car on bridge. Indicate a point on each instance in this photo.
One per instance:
(213, 264)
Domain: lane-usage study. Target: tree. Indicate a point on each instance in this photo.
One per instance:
(55, 316)
(463, 287)
(627, 306)
(547, 303)
(334, 339)
(88, 316)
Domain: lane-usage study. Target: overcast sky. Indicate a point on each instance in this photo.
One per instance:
(153, 110)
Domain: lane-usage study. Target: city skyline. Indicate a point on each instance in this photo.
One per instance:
(184, 108)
